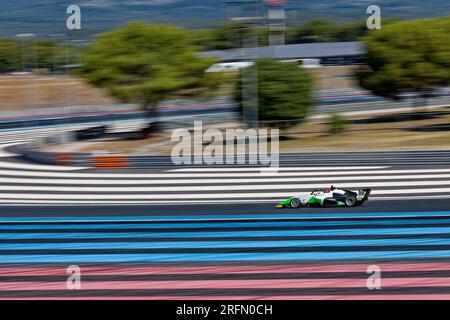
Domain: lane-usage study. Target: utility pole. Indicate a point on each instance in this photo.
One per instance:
(29, 92)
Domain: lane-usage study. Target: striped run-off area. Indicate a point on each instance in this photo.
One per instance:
(23, 183)
(19, 185)
(236, 256)
(391, 175)
(423, 176)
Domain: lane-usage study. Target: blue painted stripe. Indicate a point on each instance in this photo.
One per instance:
(223, 244)
(227, 224)
(297, 215)
(201, 234)
(111, 258)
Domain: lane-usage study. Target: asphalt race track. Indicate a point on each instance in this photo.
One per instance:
(214, 233)
(216, 209)
(230, 253)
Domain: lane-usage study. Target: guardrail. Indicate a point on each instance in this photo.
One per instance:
(32, 152)
(104, 161)
(10, 123)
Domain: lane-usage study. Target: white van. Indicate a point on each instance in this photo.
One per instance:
(229, 66)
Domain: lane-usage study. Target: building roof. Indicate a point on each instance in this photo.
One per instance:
(291, 51)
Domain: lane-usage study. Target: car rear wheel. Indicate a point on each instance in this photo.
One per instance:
(295, 203)
(350, 201)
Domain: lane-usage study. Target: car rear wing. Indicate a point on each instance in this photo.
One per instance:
(363, 194)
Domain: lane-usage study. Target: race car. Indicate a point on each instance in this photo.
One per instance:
(333, 197)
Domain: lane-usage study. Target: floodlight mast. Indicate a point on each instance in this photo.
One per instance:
(276, 22)
(250, 14)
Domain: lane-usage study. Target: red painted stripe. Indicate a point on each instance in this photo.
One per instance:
(7, 271)
(229, 284)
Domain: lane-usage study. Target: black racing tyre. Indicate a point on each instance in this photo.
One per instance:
(295, 203)
(350, 201)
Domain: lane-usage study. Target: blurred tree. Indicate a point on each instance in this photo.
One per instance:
(284, 93)
(337, 124)
(146, 63)
(325, 31)
(230, 35)
(313, 31)
(351, 31)
(203, 38)
(19, 55)
(10, 53)
(407, 56)
(50, 54)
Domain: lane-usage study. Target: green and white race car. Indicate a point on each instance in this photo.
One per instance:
(333, 197)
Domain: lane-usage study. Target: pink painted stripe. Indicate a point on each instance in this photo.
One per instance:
(227, 270)
(229, 284)
(311, 297)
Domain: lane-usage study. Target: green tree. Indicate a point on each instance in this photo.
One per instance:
(203, 39)
(230, 35)
(10, 54)
(325, 31)
(284, 93)
(145, 63)
(28, 54)
(313, 31)
(51, 55)
(351, 31)
(407, 56)
(337, 124)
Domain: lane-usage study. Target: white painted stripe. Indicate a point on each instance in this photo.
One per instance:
(26, 166)
(76, 203)
(281, 195)
(391, 153)
(216, 169)
(442, 196)
(4, 153)
(128, 182)
(337, 159)
(207, 175)
(143, 202)
(245, 187)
